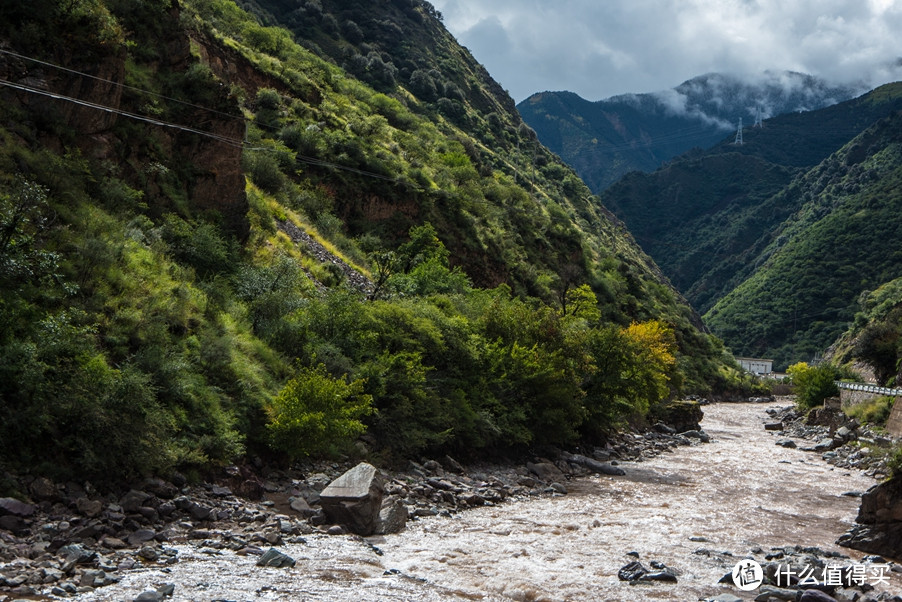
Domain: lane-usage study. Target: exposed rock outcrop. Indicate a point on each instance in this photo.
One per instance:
(879, 528)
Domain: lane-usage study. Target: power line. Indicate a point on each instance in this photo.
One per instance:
(121, 85)
(99, 107)
(225, 140)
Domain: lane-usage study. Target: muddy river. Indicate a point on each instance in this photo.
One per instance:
(698, 510)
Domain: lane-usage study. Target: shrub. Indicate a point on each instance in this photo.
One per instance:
(813, 384)
(316, 413)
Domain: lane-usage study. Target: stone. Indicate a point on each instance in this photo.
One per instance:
(725, 598)
(149, 596)
(43, 488)
(141, 536)
(355, 499)
(133, 500)
(90, 508)
(300, 505)
(813, 595)
(632, 571)
(12, 506)
(546, 471)
(77, 554)
(825, 444)
(773, 426)
(665, 575)
(767, 592)
(149, 553)
(274, 558)
(879, 528)
(453, 465)
(593, 465)
(787, 443)
(160, 488)
(697, 434)
(682, 415)
(14, 524)
(392, 516)
(558, 488)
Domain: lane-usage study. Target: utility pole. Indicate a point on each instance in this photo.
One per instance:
(759, 122)
(738, 140)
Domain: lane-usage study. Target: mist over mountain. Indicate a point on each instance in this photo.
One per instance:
(605, 139)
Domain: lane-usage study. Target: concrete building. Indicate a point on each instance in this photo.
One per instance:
(756, 365)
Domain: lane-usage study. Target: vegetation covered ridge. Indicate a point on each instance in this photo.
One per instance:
(155, 314)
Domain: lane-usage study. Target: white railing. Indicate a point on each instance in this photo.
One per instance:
(867, 388)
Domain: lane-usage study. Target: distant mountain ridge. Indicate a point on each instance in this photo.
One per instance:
(606, 139)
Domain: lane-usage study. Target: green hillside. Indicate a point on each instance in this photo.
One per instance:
(706, 216)
(841, 242)
(218, 238)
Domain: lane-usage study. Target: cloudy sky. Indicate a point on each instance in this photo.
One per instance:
(599, 48)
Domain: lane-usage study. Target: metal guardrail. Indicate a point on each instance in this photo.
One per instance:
(867, 388)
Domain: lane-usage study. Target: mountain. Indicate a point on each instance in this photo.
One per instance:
(221, 237)
(806, 276)
(705, 215)
(606, 139)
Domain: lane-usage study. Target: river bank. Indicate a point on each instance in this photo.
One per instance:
(696, 509)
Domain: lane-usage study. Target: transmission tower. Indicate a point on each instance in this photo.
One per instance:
(738, 139)
(758, 118)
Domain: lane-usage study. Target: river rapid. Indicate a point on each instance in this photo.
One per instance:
(698, 510)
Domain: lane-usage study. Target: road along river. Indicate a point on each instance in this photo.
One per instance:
(697, 510)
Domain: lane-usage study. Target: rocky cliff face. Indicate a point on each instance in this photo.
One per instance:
(880, 521)
(84, 100)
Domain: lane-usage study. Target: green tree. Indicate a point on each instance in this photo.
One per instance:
(316, 413)
(813, 384)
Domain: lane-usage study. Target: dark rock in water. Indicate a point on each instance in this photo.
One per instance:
(787, 443)
(666, 575)
(392, 516)
(12, 506)
(141, 536)
(682, 416)
(773, 426)
(354, 499)
(767, 592)
(880, 521)
(546, 471)
(593, 465)
(632, 571)
(697, 434)
(149, 596)
(813, 595)
(825, 444)
(274, 558)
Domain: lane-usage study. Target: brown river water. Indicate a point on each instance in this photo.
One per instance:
(739, 492)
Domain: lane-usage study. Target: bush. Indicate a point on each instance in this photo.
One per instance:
(316, 413)
(813, 384)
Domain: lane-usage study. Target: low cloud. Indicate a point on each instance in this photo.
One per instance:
(601, 49)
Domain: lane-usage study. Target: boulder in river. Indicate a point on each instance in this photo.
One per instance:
(880, 521)
(354, 499)
(683, 415)
(274, 558)
(593, 465)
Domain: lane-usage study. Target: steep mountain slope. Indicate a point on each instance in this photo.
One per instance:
(606, 139)
(163, 169)
(706, 216)
(842, 241)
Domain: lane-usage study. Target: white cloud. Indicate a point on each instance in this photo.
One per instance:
(602, 48)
